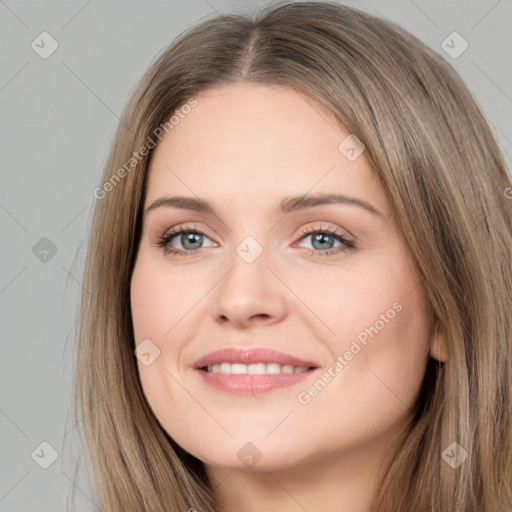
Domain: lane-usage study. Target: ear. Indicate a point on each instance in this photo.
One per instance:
(438, 347)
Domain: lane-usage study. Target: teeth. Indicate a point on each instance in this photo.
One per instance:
(255, 369)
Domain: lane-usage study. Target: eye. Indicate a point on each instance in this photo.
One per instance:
(190, 239)
(323, 241)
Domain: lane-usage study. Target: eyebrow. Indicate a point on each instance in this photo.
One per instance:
(287, 205)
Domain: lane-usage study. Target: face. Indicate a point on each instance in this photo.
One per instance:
(278, 282)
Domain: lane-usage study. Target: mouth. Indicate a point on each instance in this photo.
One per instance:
(255, 368)
(251, 371)
(253, 361)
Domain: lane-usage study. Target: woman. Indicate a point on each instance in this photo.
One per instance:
(338, 335)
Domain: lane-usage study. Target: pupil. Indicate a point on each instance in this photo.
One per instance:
(320, 237)
(192, 238)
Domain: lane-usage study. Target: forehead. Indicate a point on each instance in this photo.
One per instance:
(258, 140)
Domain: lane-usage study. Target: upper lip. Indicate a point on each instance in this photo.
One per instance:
(249, 356)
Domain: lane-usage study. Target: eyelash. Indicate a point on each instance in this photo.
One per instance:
(165, 240)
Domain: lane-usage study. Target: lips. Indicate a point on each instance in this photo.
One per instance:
(252, 371)
(251, 356)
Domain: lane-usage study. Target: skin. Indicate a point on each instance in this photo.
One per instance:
(244, 148)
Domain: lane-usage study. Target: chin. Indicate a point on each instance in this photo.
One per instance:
(256, 455)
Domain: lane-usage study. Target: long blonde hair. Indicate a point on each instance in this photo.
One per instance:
(433, 152)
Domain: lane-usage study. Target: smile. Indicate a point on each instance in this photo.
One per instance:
(255, 368)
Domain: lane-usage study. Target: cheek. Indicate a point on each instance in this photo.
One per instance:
(155, 308)
(150, 303)
(162, 308)
(159, 298)
(383, 350)
(374, 383)
(379, 328)
(350, 298)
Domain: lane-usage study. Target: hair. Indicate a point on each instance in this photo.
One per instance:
(433, 152)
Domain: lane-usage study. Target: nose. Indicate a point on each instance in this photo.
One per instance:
(249, 294)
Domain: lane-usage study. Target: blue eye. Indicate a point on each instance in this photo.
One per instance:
(191, 240)
(322, 240)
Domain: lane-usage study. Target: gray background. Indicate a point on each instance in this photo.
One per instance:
(58, 120)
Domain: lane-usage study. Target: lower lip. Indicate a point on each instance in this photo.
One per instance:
(249, 384)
